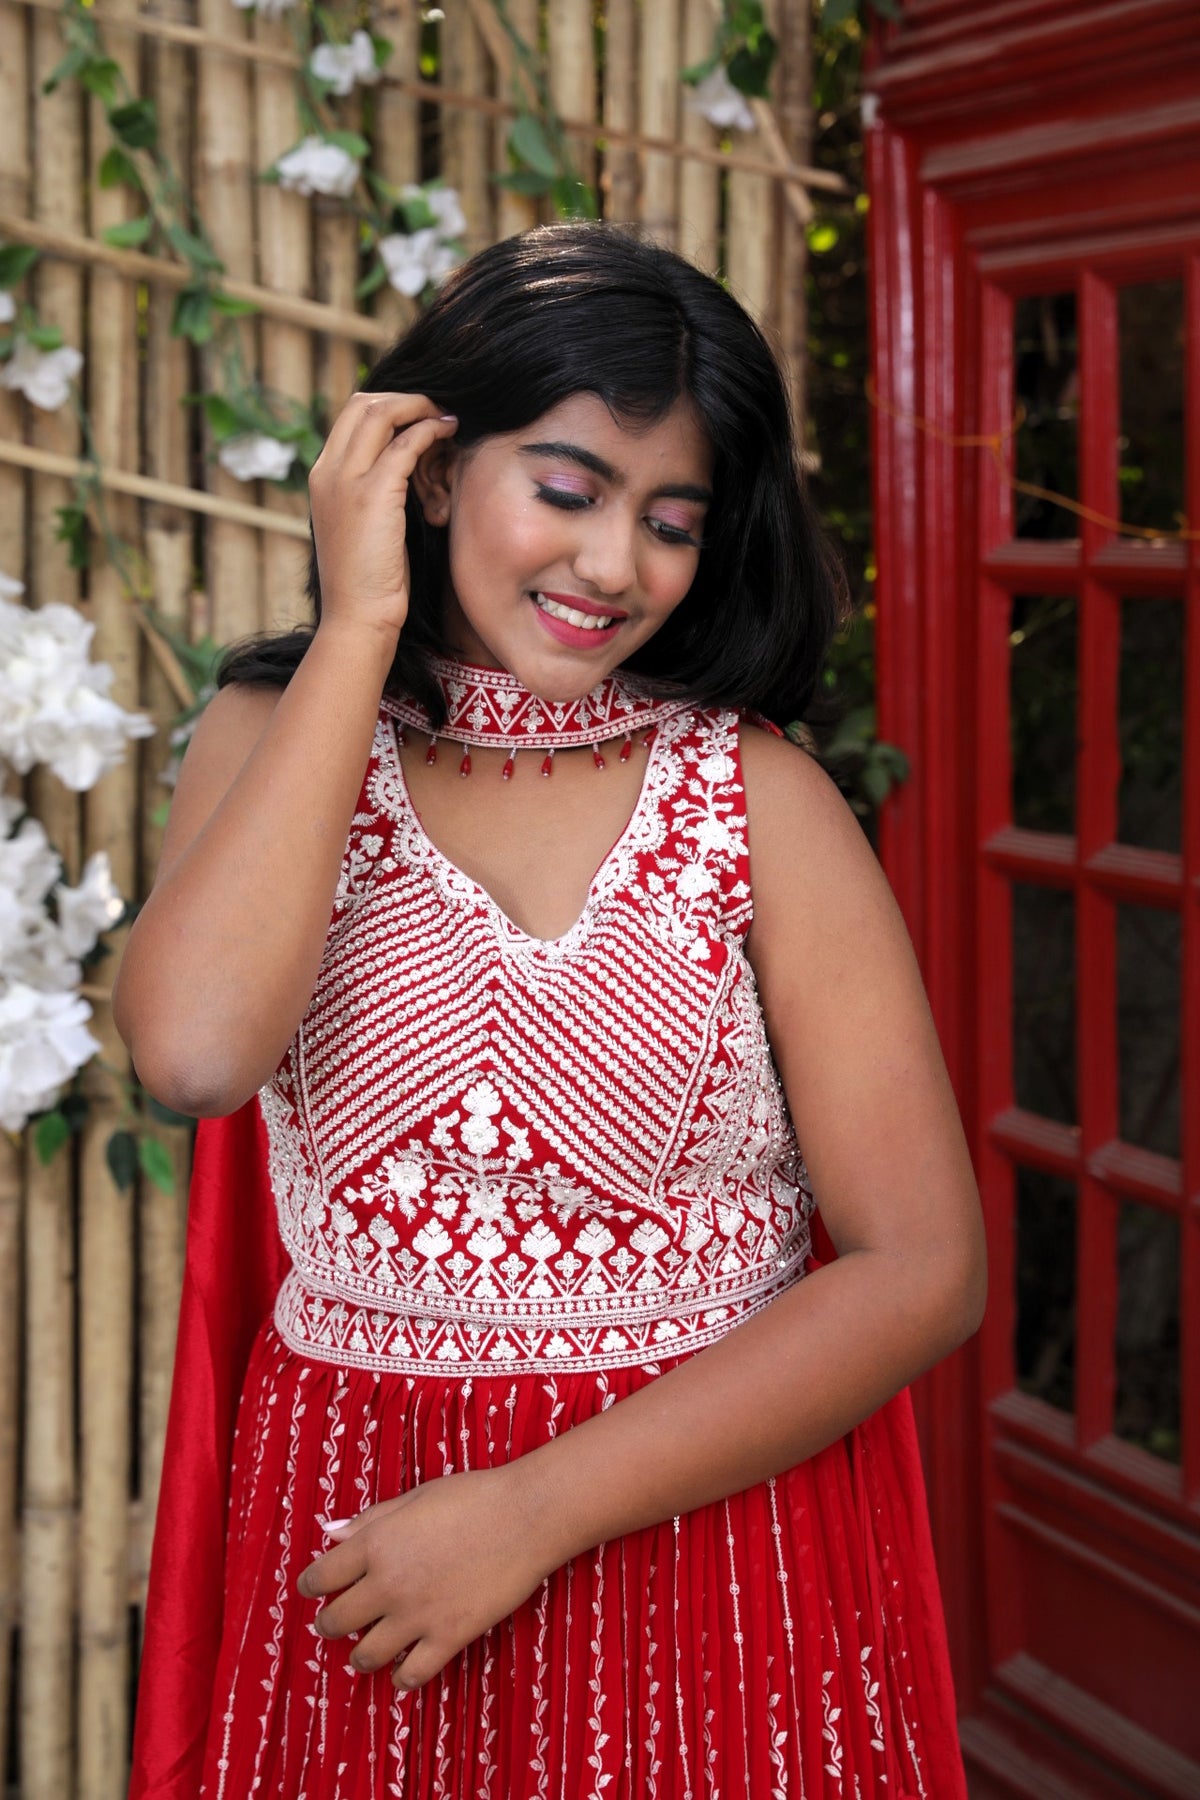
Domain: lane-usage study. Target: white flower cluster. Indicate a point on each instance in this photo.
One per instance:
(43, 1019)
(344, 64)
(414, 258)
(316, 166)
(254, 454)
(54, 708)
(720, 102)
(54, 704)
(43, 376)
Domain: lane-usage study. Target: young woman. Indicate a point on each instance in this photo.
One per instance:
(562, 1466)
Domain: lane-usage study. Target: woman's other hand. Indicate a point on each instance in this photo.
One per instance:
(426, 1574)
(357, 491)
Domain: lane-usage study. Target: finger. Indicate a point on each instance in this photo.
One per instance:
(406, 449)
(336, 1569)
(421, 1663)
(388, 1640)
(357, 1608)
(366, 425)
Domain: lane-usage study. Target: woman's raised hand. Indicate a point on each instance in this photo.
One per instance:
(357, 489)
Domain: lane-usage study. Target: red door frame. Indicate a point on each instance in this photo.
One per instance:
(1018, 147)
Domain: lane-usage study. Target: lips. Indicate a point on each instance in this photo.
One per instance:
(563, 617)
(577, 603)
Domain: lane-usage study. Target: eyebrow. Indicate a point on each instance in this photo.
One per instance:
(587, 459)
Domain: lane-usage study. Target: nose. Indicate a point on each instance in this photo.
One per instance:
(605, 557)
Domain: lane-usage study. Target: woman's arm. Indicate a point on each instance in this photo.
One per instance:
(874, 1113)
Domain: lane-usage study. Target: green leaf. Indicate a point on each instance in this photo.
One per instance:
(116, 169)
(822, 236)
(750, 69)
(574, 199)
(166, 1115)
(46, 337)
(875, 783)
(193, 249)
(415, 213)
(374, 279)
(383, 48)
(102, 78)
(72, 63)
(158, 1163)
(697, 72)
(121, 1153)
(193, 314)
(50, 1133)
(221, 417)
(349, 141)
(525, 181)
(528, 142)
(136, 124)
(838, 12)
(130, 234)
(233, 308)
(73, 531)
(16, 260)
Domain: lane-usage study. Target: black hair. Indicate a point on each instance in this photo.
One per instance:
(594, 308)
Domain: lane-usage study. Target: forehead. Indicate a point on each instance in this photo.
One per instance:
(675, 448)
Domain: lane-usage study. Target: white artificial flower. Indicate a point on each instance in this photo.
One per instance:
(253, 454)
(721, 103)
(266, 9)
(10, 587)
(43, 376)
(8, 307)
(344, 64)
(318, 167)
(92, 907)
(414, 258)
(43, 1041)
(54, 703)
(444, 204)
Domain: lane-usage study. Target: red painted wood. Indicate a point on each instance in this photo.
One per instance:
(1016, 150)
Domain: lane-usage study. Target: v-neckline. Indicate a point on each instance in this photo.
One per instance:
(513, 932)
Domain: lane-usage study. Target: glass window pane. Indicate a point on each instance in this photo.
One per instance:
(1150, 447)
(1043, 662)
(1147, 1399)
(1046, 379)
(1044, 1351)
(1043, 925)
(1148, 1009)
(1151, 724)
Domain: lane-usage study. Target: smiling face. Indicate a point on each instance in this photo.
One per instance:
(573, 519)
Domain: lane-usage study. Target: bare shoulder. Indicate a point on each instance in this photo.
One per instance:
(224, 737)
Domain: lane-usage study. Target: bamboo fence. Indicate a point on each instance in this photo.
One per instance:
(89, 1273)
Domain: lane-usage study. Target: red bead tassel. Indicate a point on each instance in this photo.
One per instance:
(626, 748)
(464, 767)
(596, 756)
(548, 763)
(506, 771)
(431, 753)
(649, 737)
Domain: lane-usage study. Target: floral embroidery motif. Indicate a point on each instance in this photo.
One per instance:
(494, 1151)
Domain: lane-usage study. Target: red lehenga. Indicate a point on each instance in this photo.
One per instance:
(496, 1184)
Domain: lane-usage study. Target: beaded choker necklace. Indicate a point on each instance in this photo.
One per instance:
(492, 708)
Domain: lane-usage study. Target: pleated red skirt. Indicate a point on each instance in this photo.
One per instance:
(786, 1641)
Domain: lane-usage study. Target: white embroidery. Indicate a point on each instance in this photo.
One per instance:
(492, 1151)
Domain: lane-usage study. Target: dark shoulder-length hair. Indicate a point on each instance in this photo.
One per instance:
(593, 308)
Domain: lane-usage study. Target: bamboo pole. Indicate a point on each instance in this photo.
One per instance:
(466, 147)
(106, 1221)
(285, 263)
(699, 183)
(752, 231)
(794, 113)
(46, 1713)
(514, 212)
(120, 481)
(572, 60)
(225, 172)
(155, 271)
(661, 61)
(397, 142)
(170, 550)
(620, 180)
(14, 193)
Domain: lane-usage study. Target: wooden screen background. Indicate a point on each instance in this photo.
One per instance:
(89, 1274)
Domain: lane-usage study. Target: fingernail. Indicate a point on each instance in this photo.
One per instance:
(328, 1525)
(448, 418)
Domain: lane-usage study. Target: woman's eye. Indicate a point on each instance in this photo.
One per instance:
(673, 534)
(568, 497)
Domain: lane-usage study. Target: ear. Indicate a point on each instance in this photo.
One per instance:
(432, 480)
